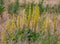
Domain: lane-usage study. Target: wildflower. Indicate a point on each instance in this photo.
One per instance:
(29, 16)
(33, 16)
(8, 24)
(36, 17)
(45, 21)
(55, 20)
(13, 24)
(24, 17)
(45, 24)
(37, 10)
(2, 37)
(18, 21)
(28, 20)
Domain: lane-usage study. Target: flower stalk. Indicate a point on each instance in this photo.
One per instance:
(8, 24)
(2, 37)
(36, 17)
(18, 21)
(24, 18)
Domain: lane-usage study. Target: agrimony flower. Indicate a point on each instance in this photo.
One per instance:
(55, 21)
(36, 16)
(28, 20)
(2, 37)
(29, 16)
(37, 10)
(45, 21)
(8, 24)
(24, 17)
(45, 24)
(13, 25)
(18, 21)
(33, 16)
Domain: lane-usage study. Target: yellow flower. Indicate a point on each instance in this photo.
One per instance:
(36, 16)
(13, 21)
(13, 24)
(8, 24)
(12, 27)
(28, 20)
(55, 21)
(37, 10)
(45, 24)
(29, 16)
(2, 37)
(18, 21)
(24, 17)
(33, 18)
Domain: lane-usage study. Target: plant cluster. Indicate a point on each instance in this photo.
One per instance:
(31, 27)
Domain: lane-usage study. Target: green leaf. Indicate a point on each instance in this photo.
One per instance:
(14, 7)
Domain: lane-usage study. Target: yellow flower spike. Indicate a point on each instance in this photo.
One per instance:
(24, 13)
(45, 21)
(29, 16)
(8, 24)
(55, 21)
(35, 22)
(33, 19)
(45, 24)
(37, 10)
(2, 37)
(18, 21)
(24, 17)
(13, 24)
(48, 23)
(36, 17)
(33, 15)
(28, 20)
